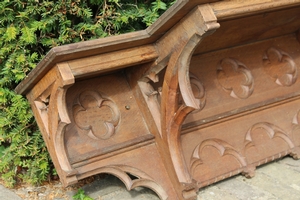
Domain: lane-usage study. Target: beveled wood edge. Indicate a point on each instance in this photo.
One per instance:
(110, 152)
(227, 116)
(246, 8)
(144, 37)
(105, 45)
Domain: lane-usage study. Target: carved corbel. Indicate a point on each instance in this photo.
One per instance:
(199, 24)
(49, 105)
(175, 50)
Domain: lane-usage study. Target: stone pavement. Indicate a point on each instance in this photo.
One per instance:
(6, 194)
(278, 180)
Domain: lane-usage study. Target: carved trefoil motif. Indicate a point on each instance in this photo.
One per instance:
(209, 155)
(96, 114)
(235, 78)
(280, 66)
(264, 142)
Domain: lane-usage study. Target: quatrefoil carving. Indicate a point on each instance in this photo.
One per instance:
(96, 114)
(235, 78)
(280, 66)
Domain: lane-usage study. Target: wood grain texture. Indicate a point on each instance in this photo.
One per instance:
(209, 91)
(239, 8)
(253, 84)
(241, 144)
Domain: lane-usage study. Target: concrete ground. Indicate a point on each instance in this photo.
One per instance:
(278, 180)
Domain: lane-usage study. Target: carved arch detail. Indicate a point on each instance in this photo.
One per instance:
(125, 173)
(271, 130)
(264, 139)
(235, 162)
(222, 147)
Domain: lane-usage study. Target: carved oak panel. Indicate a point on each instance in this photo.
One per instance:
(103, 117)
(243, 78)
(209, 91)
(244, 143)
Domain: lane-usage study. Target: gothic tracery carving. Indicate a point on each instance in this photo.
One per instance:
(235, 78)
(133, 178)
(96, 114)
(280, 66)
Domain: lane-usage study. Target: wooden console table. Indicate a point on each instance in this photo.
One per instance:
(209, 91)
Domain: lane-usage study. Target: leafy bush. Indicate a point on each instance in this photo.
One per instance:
(80, 195)
(28, 30)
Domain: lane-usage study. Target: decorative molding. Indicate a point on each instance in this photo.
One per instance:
(42, 105)
(264, 142)
(48, 99)
(133, 178)
(177, 81)
(96, 114)
(172, 97)
(235, 78)
(271, 130)
(280, 66)
(226, 151)
(151, 89)
(296, 135)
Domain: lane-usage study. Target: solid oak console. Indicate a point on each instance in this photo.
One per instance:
(209, 91)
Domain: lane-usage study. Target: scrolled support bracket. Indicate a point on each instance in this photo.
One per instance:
(200, 23)
(48, 102)
(175, 50)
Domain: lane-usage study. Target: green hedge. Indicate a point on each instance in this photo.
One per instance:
(28, 30)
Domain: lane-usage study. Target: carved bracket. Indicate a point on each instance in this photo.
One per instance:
(170, 100)
(200, 23)
(49, 105)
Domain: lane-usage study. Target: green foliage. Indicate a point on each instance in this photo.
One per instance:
(28, 30)
(80, 195)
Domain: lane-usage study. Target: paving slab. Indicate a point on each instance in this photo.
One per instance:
(6, 194)
(214, 192)
(272, 185)
(290, 163)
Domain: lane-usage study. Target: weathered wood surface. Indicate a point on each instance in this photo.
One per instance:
(209, 91)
